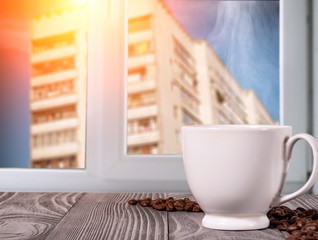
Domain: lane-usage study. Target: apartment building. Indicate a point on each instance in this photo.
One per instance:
(257, 113)
(174, 80)
(162, 85)
(223, 101)
(58, 89)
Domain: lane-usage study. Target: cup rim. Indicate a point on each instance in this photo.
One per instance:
(231, 127)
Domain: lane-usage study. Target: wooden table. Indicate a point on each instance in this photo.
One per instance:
(108, 216)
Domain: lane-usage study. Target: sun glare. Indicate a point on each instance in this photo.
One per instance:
(80, 1)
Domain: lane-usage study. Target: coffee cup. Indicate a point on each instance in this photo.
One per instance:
(237, 172)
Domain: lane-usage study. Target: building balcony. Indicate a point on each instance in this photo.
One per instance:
(54, 54)
(191, 109)
(140, 36)
(138, 61)
(190, 66)
(54, 102)
(68, 20)
(232, 114)
(54, 126)
(190, 89)
(135, 78)
(56, 151)
(143, 138)
(53, 78)
(142, 112)
(141, 86)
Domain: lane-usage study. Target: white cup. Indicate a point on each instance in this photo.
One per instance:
(237, 172)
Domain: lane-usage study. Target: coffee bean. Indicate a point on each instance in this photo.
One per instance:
(315, 216)
(291, 228)
(274, 222)
(296, 233)
(169, 206)
(293, 219)
(132, 201)
(283, 227)
(188, 207)
(286, 209)
(196, 208)
(292, 238)
(309, 228)
(144, 204)
(300, 214)
(310, 236)
(179, 205)
(310, 212)
(160, 206)
(278, 213)
(300, 223)
(293, 213)
(156, 201)
(301, 209)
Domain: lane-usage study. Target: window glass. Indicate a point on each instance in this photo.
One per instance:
(43, 74)
(208, 62)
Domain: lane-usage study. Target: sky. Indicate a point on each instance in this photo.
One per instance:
(245, 35)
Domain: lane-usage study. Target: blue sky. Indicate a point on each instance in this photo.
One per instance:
(245, 34)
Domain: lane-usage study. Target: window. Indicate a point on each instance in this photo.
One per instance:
(58, 65)
(186, 119)
(139, 49)
(139, 24)
(106, 120)
(181, 51)
(53, 42)
(44, 48)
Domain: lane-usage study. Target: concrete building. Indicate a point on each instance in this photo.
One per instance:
(257, 113)
(58, 89)
(221, 95)
(174, 80)
(162, 85)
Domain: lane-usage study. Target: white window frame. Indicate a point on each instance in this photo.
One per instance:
(107, 166)
(315, 74)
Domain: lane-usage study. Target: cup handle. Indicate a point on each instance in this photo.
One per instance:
(289, 145)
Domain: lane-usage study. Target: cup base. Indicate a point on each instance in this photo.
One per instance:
(222, 222)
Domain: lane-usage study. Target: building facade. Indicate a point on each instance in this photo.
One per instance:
(162, 85)
(58, 89)
(174, 81)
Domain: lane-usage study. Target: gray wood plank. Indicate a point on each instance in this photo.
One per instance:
(184, 225)
(32, 215)
(109, 216)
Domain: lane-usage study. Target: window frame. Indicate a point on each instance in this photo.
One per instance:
(314, 17)
(108, 168)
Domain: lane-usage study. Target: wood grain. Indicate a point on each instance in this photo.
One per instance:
(32, 215)
(109, 216)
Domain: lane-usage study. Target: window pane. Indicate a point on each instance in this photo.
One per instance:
(199, 62)
(43, 83)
